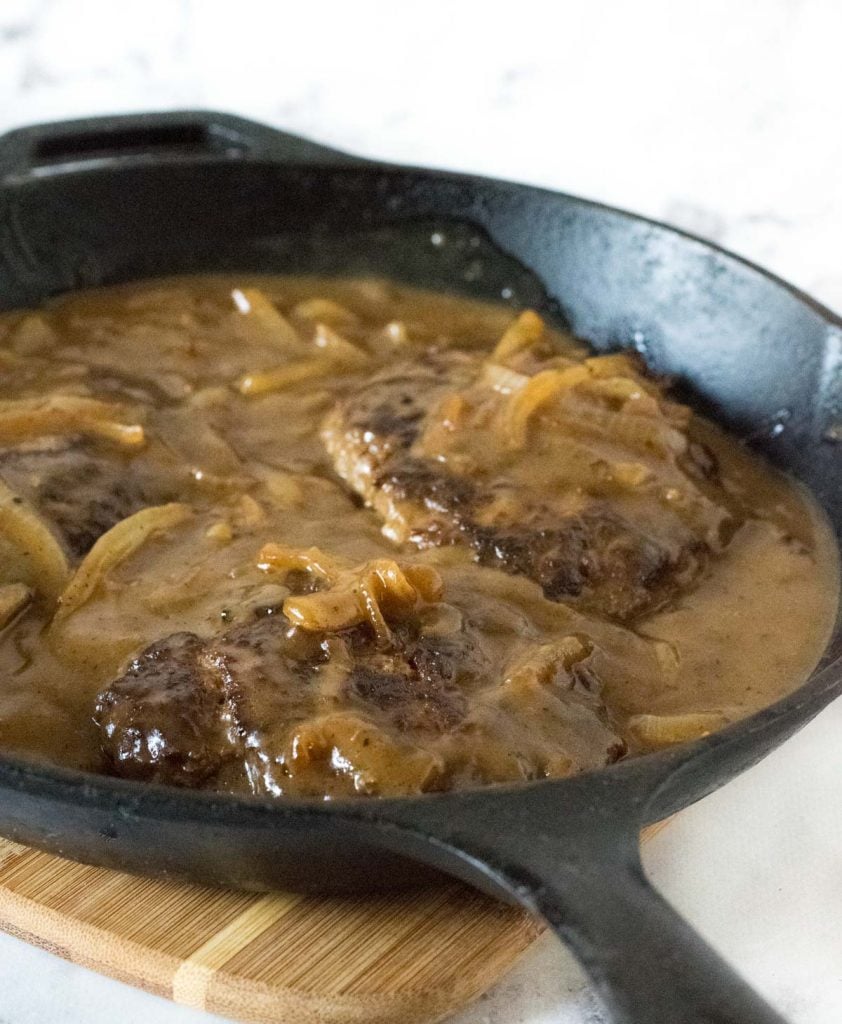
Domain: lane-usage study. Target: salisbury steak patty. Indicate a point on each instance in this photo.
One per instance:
(599, 499)
(404, 695)
(79, 488)
(187, 709)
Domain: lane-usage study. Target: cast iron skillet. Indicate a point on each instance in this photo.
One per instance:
(114, 199)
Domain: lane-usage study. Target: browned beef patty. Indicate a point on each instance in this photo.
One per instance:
(595, 558)
(193, 712)
(186, 708)
(80, 489)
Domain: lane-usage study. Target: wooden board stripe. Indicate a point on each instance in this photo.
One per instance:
(10, 851)
(191, 980)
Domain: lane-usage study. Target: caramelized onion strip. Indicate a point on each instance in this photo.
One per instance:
(327, 311)
(374, 592)
(525, 402)
(339, 349)
(352, 746)
(266, 319)
(653, 437)
(282, 558)
(114, 547)
(262, 382)
(14, 597)
(45, 562)
(524, 332)
(24, 418)
(656, 731)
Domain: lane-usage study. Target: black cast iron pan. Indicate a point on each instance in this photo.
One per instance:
(115, 199)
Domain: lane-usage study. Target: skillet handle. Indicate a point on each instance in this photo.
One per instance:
(648, 965)
(570, 853)
(179, 134)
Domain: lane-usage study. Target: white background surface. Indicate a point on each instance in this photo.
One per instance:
(724, 117)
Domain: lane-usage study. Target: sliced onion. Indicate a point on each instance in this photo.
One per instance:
(524, 332)
(32, 335)
(267, 321)
(352, 746)
(24, 418)
(339, 349)
(114, 547)
(283, 558)
(263, 382)
(14, 597)
(655, 731)
(540, 389)
(43, 558)
(373, 592)
(325, 310)
(502, 379)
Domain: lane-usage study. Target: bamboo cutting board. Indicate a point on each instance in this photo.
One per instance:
(393, 959)
(270, 959)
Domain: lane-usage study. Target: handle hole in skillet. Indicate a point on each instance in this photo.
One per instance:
(176, 139)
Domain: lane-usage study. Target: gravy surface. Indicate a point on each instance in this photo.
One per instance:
(334, 538)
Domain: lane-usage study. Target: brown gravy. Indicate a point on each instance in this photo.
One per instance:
(328, 538)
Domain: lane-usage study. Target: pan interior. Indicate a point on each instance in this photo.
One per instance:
(242, 305)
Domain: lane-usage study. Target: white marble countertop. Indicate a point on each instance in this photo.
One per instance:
(720, 117)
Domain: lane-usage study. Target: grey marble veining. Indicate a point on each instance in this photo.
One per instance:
(721, 117)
